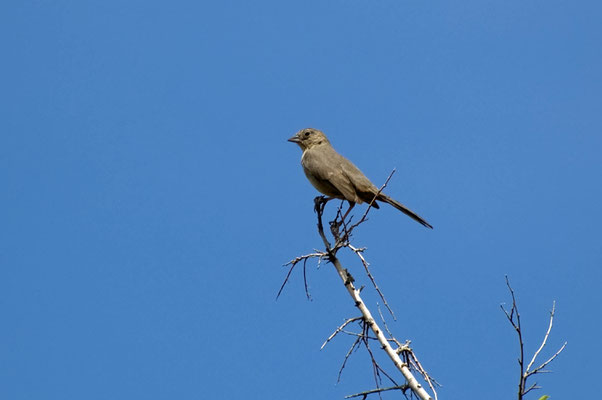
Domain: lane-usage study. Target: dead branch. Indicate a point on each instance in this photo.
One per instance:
(339, 329)
(358, 252)
(294, 262)
(365, 394)
(348, 281)
(402, 356)
(409, 357)
(513, 317)
(355, 345)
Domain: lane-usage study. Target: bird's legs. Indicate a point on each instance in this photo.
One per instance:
(351, 205)
(336, 224)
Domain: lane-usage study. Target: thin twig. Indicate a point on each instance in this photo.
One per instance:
(376, 367)
(549, 360)
(545, 338)
(339, 329)
(358, 252)
(370, 206)
(305, 279)
(533, 386)
(355, 344)
(431, 381)
(294, 262)
(403, 388)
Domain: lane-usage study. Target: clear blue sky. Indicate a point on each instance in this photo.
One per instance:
(149, 197)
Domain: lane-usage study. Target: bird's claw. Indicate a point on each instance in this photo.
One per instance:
(319, 203)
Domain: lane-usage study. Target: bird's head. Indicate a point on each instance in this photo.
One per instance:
(308, 138)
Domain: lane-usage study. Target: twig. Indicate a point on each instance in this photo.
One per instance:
(403, 388)
(355, 344)
(305, 279)
(549, 360)
(430, 380)
(375, 366)
(543, 343)
(339, 329)
(347, 234)
(358, 252)
(294, 262)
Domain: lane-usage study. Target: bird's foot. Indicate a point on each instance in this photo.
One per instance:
(335, 228)
(320, 203)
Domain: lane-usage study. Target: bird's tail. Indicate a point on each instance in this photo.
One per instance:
(403, 209)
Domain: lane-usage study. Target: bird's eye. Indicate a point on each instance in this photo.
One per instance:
(307, 134)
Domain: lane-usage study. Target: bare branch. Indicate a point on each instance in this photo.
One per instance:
(355, 344)
(376, 367)
(348, 280)
(514, 312)
(431, 382)
(305, 279)
(402, 356)
(533, 386)
(549, 360)
(339, 329)
(358, 252)
(382, 318)
(514, 317)
(364, 217)
(293, 263)
(545, 338)
(403, 388)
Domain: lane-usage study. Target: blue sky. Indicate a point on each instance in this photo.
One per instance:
(150, 197)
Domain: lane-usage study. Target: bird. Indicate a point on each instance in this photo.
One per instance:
(336, 177)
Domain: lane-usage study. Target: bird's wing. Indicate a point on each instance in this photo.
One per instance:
(324, 167)
(363, 188)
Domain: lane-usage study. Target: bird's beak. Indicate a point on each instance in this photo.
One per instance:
(294, 139)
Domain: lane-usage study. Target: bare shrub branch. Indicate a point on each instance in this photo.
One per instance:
(401, 355)
(513, 317)
(341, 240)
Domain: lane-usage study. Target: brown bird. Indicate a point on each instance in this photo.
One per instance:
(337, 177)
